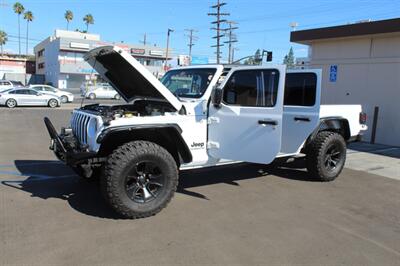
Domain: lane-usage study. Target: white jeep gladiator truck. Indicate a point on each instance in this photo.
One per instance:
(199, 116)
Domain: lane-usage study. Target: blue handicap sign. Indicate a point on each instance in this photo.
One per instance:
(333, 73)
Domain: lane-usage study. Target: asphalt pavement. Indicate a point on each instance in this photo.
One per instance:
(246, 214)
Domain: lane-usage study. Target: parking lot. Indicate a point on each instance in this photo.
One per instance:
(243, 214)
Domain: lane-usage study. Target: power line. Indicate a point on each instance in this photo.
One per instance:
(192, 38)
(218, 14)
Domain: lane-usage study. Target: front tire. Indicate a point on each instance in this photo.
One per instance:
(117, 97)
(11, 103)
(92, 96)
(53, 103)
(64, 99)
(326, 156)
(140, 179)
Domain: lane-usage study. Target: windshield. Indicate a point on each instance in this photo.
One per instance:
(190, 83)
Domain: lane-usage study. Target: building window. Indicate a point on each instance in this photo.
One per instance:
(41, 53)
(40, 65)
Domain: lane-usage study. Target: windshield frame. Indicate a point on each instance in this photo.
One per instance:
(211, 69)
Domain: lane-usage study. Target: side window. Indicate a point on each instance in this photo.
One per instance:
(300, 89)
(252, 88)
(12, 92)
(20, 92)
(31, 92)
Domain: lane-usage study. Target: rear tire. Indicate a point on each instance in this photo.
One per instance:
(326, 156)
(117, 97)
(11, 103)
(140, 179)
(92, 96)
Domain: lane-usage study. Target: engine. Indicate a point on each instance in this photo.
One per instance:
(137, 108)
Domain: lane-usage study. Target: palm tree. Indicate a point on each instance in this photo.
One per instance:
(68, 16)
(3, 40)
(88, 20)
(19, 9)
(29, 17)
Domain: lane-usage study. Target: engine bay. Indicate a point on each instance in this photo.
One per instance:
(138, 108)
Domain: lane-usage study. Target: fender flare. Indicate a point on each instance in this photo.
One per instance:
(170, 132)
(336, 124)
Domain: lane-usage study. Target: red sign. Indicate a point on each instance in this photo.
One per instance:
(137, 51)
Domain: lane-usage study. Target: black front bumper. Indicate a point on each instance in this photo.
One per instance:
(63, 148)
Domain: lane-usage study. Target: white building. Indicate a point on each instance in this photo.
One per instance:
(60, 57)
(361, 65)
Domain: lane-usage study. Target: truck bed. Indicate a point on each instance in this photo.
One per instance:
(349, 111)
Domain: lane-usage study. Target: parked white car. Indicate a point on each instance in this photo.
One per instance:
(27, 97)
(199, 116)
(102, 92)
(64, 96)
(8, 84)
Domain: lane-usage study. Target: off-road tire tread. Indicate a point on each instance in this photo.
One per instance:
(314, 154)
(115, 165)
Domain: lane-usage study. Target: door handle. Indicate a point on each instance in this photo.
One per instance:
(304, 119)
(268, 122)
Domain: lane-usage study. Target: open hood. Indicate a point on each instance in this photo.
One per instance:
(127, 76)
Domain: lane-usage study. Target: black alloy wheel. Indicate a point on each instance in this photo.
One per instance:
(145, 182)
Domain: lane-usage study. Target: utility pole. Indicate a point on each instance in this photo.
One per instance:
(231, 39)
(144, 39)
(233, 54)
(166, 53)
(218, 14)
(192, 38)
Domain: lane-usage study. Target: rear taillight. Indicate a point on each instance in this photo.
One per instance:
(363, 118)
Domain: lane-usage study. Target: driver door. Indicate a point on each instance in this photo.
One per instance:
(247, 125)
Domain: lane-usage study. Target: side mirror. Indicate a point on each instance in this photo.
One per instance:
(216, 96)
(39, 94)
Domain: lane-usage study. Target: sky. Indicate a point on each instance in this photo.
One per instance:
(263, 24)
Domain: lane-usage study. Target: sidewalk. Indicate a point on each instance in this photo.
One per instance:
(375, 159)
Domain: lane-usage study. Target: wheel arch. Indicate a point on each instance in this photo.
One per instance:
(167, 136)
(338, 125)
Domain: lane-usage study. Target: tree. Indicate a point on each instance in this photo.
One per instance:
(19, 9)
(29, 17)
(88, 20)
(289, 59)
(3, 40)
(257, 58)
(68, 16)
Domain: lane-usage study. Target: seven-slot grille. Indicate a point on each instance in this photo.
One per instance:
(79, 125)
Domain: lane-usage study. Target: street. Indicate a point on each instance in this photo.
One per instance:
(243, 214)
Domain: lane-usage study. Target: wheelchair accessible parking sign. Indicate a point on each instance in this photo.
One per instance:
(333, 73)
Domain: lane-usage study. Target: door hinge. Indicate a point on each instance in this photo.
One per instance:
(212, 119)
(212, 145)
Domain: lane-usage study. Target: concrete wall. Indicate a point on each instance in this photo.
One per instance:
(368, 74)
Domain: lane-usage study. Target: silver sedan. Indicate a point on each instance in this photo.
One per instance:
(27, 97)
